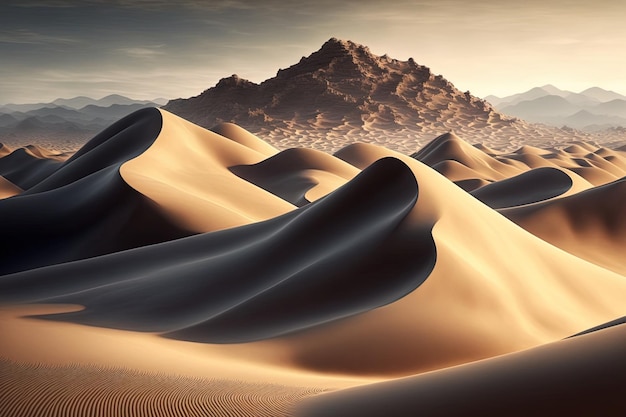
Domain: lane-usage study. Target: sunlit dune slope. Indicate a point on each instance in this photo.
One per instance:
(8, 189)
(590, 224)
(495, 288)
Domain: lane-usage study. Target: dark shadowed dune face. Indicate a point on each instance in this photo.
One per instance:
(25, 169)
(82, 207)
(551, 380)
(529, 187)
(338, 256)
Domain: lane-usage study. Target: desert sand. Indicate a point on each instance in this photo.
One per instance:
(168, 269)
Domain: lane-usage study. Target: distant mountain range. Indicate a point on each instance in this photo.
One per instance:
(68, 121)
(340, 94)
(593, 109)
(343, 93)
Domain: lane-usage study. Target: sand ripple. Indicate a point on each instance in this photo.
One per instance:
(76, 390)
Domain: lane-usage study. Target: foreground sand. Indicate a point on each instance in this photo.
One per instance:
(213, 273)
(73, 390)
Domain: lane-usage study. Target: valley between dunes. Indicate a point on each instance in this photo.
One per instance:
(167, 269)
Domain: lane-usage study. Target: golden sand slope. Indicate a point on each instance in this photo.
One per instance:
(589, 224)
(586, 222)
(4, 150)
(466, 164)
(190, 182)
(495, 288)
(8, 189)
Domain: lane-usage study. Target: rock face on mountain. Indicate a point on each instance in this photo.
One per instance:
(343, 93)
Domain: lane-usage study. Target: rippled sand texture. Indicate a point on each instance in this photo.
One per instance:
(74, 390)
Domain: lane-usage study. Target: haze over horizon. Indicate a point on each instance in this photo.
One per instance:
(151, 48)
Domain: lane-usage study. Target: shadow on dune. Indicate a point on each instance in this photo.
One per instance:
(345, 254)
(83, 208)
(550, 380)
(616, 322)
(532, 186)
(25, 169)
(291, 173)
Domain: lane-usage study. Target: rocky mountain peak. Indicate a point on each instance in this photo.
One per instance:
(234, 81)
(346, 58)
(343, 90)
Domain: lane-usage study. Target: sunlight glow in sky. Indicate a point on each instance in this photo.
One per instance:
(154, 48)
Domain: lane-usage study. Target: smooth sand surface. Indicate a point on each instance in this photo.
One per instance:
(589, 224)
(574, 377)
(164, 268)
(298, 175)
(529, 187)
(190, 182)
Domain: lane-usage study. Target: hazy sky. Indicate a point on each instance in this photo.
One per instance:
(156, 48)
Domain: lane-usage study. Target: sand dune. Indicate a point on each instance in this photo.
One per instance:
(472, 168)
(529, 187)
(8, 189)
(190, 182)
(322, 269)
(4, 150)
(464, 287)
(245, 138)
(89, 209)
(551, 380)
(298, 175)
(301, 272)
(589, 224)
(25, 169)
(107, 213)
(451, 147)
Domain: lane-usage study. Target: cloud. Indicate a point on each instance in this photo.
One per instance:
(214, 5)
(142, 52)
(25, 36)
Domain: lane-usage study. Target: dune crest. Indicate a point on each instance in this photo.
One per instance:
(298, 175)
